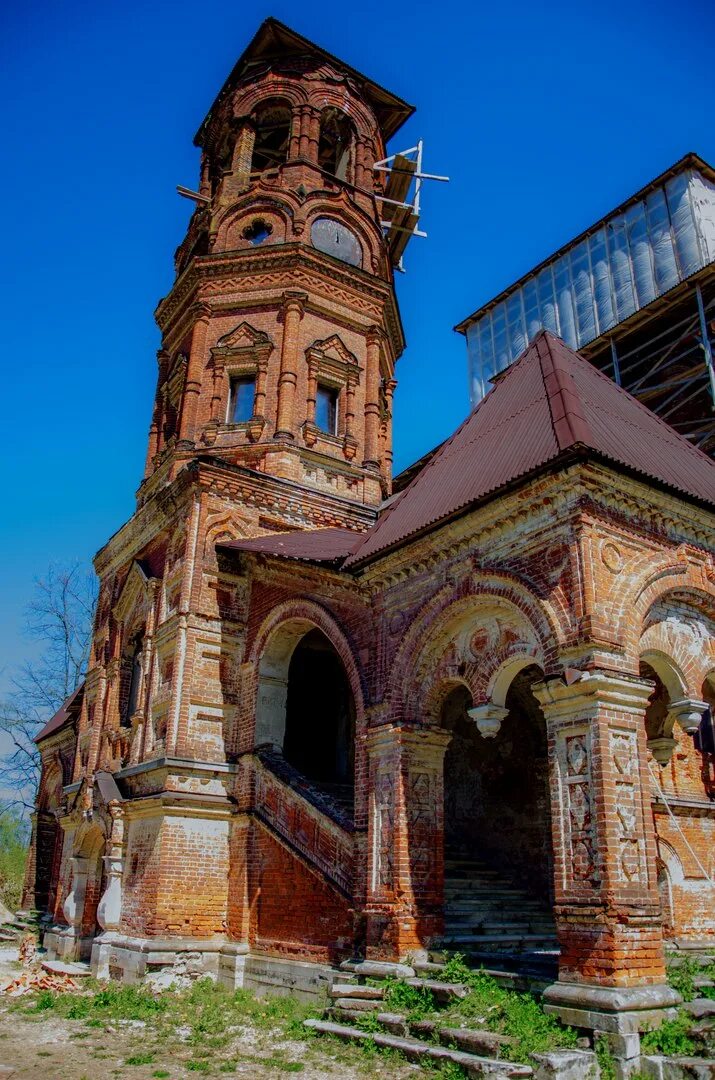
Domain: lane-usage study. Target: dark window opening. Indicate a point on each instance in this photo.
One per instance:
(320, 716)
(326, 409)
(258, 231)
(243, 392)
(336, 137)
(270, 147)
(134, 689)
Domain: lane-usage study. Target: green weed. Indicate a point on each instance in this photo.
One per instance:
(671, 1038)
(415, 1001)
(140, 1059)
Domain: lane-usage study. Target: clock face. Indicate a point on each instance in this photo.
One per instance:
(335, 239)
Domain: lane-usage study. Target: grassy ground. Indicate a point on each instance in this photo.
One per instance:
(120, 1031)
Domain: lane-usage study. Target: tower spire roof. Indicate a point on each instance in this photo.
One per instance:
(275, 41)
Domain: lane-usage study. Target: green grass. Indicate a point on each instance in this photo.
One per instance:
(491, 1007)
(140, 1059)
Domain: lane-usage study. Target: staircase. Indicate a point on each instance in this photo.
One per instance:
(494, 922)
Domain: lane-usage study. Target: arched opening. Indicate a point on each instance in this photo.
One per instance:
(306, 709)
(131, 680)
(496, 790)
(319, 738)
(335, 145)
(48, 840)
(272, 137)
(90, 851)
(705, 737)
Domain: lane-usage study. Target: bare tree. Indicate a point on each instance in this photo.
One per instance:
(60, 617)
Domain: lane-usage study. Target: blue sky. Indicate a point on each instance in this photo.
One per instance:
(545, 117)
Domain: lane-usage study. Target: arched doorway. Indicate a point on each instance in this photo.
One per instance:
(319, 736)
(306, 710)
(496, 790)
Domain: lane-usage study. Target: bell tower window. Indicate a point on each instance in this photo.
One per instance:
(326, 409)
(335, 146)
(243, 393)
(270, 147)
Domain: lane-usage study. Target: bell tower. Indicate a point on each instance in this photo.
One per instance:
(281, 331)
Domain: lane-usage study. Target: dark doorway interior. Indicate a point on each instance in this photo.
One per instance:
(496, 791)
(320, 717)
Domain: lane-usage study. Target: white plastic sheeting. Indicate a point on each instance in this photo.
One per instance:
(631, 259)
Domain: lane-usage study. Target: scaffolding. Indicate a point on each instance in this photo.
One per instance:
(635, 294)
(400, 213)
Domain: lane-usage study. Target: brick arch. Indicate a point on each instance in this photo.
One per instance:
(253, 206)
(323, 96)
(437, 694)
(222, 529)
(309, 612)
(274, 90)
(650, 584)
(666, 651)
(447, 617)
(328, 205)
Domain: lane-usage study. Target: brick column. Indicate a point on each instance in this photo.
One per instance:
(292, 314)
(372, 394)
(405, 887)
(197, 360)
(606, 904)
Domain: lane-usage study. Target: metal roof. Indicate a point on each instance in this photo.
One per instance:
(275, 39)
(548, 403)
(67, 711)
(330, 545)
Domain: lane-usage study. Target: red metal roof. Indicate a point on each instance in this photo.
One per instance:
(314, 545)
(548, 402)
(64, 714)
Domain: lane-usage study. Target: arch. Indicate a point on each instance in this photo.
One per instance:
(288, 91)
(678, 640)
(652, 582)
(336, 143)
(353, 106)
(272, 120)
(454, 619)
(667, 671)
(500, 682)
(270, 655)
(437, 694)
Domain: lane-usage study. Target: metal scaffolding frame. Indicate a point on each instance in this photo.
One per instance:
(664, 357)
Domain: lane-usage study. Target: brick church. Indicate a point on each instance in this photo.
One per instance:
(325, 710)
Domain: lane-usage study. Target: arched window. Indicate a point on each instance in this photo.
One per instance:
(335, 146)
(134, 680)
(270, 147)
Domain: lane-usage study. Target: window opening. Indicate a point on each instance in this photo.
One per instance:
(243, 392)
(270, 147)
(258, 231)
(336, 135)
(326, 409)
(135, 676)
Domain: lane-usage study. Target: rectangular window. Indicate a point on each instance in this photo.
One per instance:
(326, 409)
(243, 391)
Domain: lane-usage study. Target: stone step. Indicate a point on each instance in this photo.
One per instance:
(443, 992)
(416, 1050)
(474, 1041)
(351, 990)
(461, 938)
(486, 925)
(395, 1023)
(376, 969)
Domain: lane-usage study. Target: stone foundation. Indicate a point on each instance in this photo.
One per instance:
(163, 961)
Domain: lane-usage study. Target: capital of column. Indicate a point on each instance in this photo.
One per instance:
(662, 749)
(294, 300)
(688, 712)
(619, 692)
(201, 311)
(488, 718)
(408, 735)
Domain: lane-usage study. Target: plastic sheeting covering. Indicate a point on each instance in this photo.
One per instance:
(631, 259)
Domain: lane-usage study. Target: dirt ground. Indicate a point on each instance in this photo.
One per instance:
(43, 1046)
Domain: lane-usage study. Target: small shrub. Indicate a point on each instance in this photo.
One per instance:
(671, 1038)
(605, 1059)
(139, 1059)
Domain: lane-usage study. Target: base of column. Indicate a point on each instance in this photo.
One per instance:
(394, 938)
(65, 943)
(163, 961)
(611, 1008)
